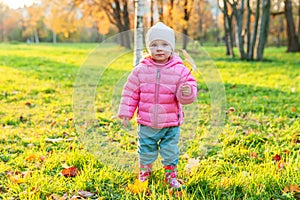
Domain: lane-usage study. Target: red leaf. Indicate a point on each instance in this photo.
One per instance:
(277, 158)
(70, 172)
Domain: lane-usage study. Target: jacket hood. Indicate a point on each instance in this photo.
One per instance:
(175, 60)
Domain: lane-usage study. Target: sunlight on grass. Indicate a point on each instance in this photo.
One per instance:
(256, 157)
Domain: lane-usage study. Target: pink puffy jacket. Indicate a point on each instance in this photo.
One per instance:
(153, 88)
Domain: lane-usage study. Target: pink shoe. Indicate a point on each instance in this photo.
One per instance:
(171, 177)
(145, 172)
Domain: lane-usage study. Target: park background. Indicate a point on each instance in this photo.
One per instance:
(253, 44)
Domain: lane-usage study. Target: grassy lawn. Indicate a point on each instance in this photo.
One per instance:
(256, 157)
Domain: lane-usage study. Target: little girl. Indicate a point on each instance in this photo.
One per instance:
(158, 87)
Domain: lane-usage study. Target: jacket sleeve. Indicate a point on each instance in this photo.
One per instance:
(130, 95)
(186, 78)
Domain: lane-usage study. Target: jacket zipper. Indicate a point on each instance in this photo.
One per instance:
(156, 98)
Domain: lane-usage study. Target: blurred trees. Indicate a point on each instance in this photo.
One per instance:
(32, 22)
(61, 16)
(250, 25)
(117, 12)
(10, 28)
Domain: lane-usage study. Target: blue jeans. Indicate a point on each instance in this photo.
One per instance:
(165, 141)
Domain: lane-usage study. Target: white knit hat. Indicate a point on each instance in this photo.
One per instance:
(160, 32)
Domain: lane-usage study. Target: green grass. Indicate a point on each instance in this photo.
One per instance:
(36, 87)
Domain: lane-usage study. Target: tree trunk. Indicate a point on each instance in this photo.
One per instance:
(239, 23)
(161, 10)
(248, 35)
(299, 22)
(228, 31)
(226, 35)
(186, 17)
(264, 29)
(185, 38)
(36, 36)
(293, 43)
(151, 13)
(126, 25)
(170, 17)
(54, 37)
(138, 31)
(254, 32)
(120, 18)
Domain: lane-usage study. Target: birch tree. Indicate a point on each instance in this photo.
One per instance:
(138, 31)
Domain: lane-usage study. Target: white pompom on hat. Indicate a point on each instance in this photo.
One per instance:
(160, 32)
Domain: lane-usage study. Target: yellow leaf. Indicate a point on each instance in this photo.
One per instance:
(16, 179)
(138, 186)
(31, 158)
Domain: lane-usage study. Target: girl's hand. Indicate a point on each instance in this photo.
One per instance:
(125, 121)
(186, 90)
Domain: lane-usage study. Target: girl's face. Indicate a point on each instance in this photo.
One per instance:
(160, 51)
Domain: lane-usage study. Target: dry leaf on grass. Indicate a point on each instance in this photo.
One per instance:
(292, 189)
(192, 165)
(85, 194)
(56, 140)
(18, 178)
(176, 193)
(138, 187)
(69, 172)
(276, 158)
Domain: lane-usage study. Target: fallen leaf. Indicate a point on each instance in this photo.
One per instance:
(281, 165)
(31, 158)
(287, 152)
(65, 166)
(42, 158)
(75, 197)
(292, 189)
(231, 109)
(177, 193)
(18, 178)
(192, 165)
(56, 197)
(276, 158)
(138, 187)
(56, 140)
(294, 109)
(85, 194)
(28, 104)
(53, 123)
(70, 172)
(253, 155)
